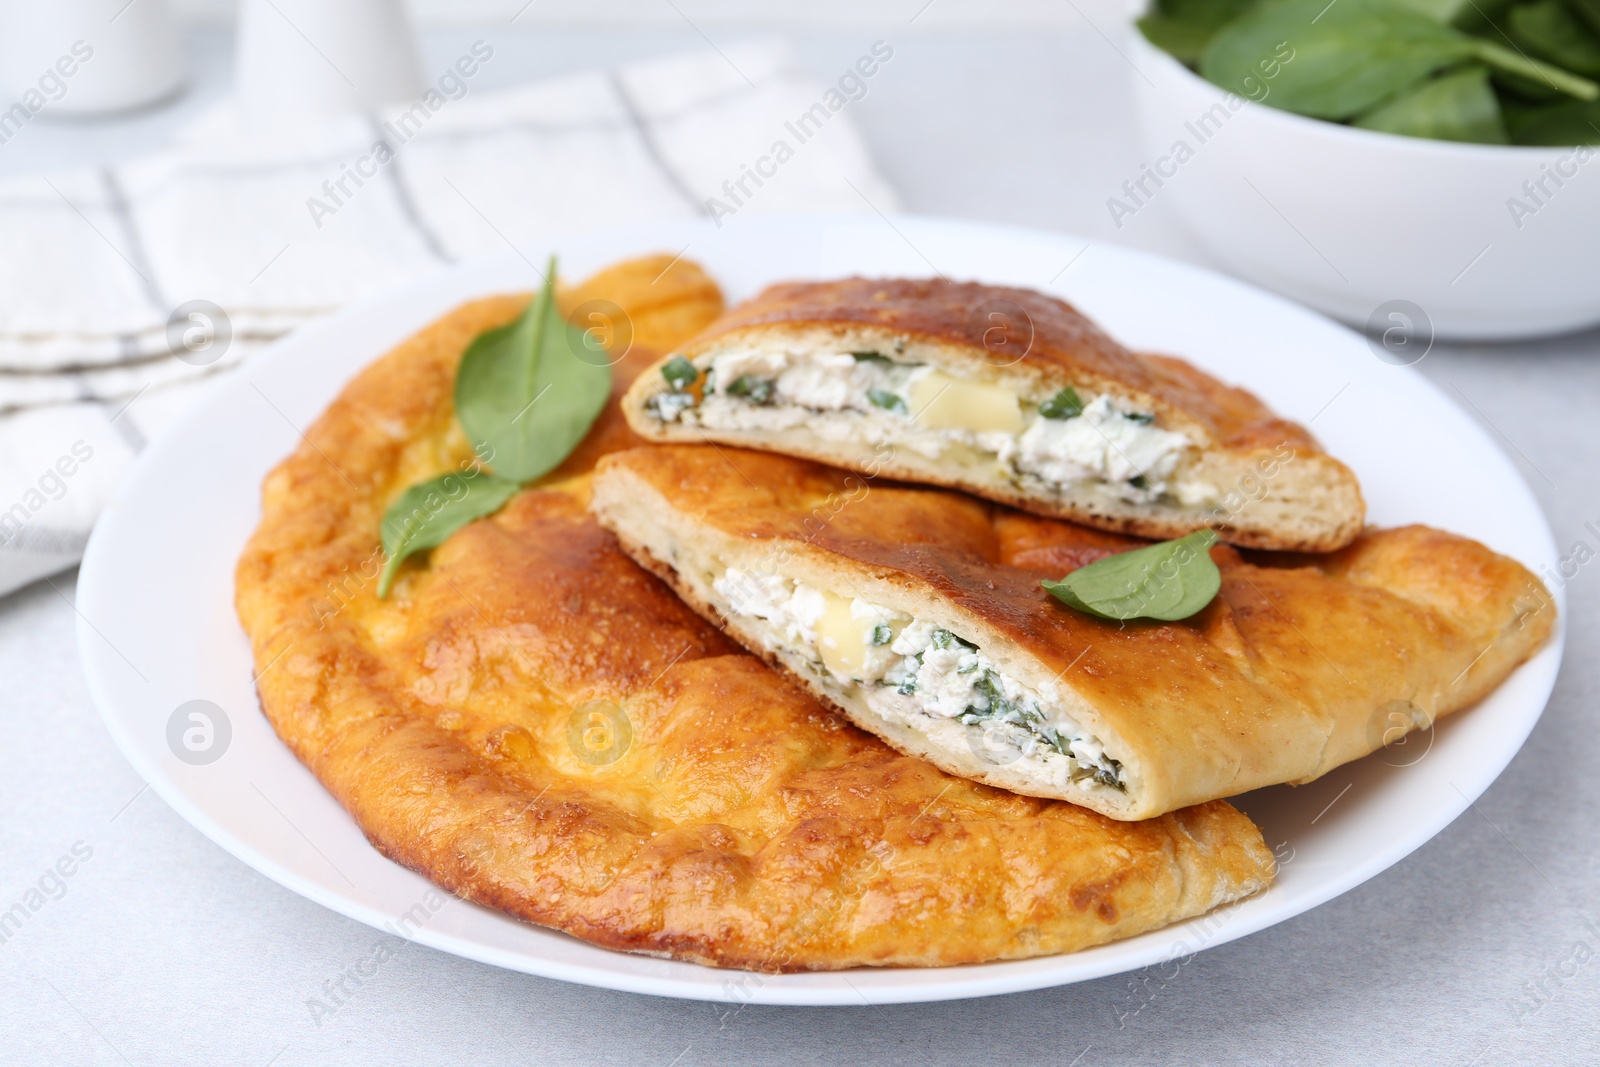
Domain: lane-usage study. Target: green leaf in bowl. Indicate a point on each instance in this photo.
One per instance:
(1457, 106)
(1547, 29)
(1352, 55)
(1183, 28)
(1563, 124)
(1588, 11)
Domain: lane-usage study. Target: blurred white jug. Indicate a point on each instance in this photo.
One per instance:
(311, 59)
(87, 57)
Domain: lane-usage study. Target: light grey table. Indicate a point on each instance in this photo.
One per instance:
(1481, 948)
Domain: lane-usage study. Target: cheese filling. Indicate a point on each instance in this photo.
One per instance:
(863, 395)
(914, 672)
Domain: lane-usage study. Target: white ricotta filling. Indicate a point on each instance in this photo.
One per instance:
(843, 396)
(912, 671)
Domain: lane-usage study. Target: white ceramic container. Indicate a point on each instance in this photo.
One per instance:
(1488, 241)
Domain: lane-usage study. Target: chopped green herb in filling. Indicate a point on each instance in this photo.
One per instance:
(1064, 405)
(679, 373)
(1066, 441)
(905, 668)
(758, 390)
(888, 401)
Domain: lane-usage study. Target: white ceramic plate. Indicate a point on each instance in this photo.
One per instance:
(158, 628)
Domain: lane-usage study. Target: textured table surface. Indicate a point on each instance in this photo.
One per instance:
(1480, 948)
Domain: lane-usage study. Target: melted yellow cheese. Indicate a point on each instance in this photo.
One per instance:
(939, 402)
(841, 639)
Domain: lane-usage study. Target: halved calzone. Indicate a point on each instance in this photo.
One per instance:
(1006, 393)
(919, 613)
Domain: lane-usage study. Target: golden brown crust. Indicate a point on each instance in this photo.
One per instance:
(1062, 345)
(1038, 344)
(1294, 669)
(466, 723)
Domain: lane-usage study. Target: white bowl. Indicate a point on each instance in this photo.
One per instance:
(1370, 227)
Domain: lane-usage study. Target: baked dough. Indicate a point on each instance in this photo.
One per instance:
(1300, 664)
(961, 385)
(538, 725)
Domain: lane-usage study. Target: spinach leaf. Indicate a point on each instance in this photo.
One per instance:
(1515, 63)
(1588, 11)
(871, 357)
(1571, 122)
(1515, 85)
(531, 390)
(1350, 56)
(1064, 405)
(1459, 106)
(1169, 581)
(429, 512)
(1347, 57)
(1449, 12)
(1184, 41)
(1549, 30)
(1482, 17)
(1183, 28)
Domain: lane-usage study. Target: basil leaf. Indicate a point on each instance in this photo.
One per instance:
(871, 357)
(531, 390)
(1169, 581)
(1571, 122)
(527, 393)
(1549, 30)
(679, 372)
(1064, 405)
(1454, 107)
(426, 514)
(888, 401)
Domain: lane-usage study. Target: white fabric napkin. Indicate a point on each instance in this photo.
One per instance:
(275, 231)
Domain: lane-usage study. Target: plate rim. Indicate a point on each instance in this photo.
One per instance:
(962, 982)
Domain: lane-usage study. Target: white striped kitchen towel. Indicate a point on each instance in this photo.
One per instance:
(127, 287)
